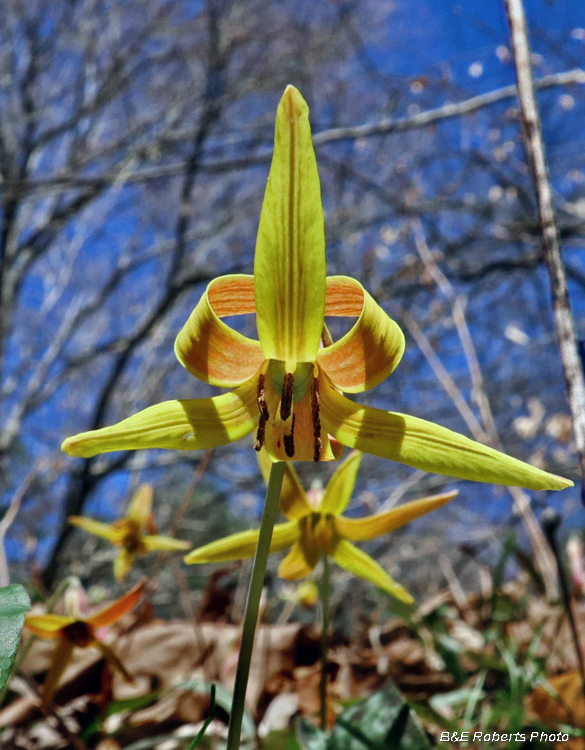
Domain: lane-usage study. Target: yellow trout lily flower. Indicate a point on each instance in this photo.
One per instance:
(288, 389)
(317, 528)
(80, 632)
(128, 533)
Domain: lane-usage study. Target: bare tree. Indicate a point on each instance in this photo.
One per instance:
(134, 144)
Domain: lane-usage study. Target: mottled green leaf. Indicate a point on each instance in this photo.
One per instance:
(307, 737)
(382, 722)
(14, 604)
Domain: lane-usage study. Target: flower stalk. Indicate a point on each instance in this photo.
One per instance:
(325, 591)
(253, 604)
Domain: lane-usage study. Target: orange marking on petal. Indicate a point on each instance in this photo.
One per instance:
(233, 296)
(370, 350)
(344, 300)
(210, 349)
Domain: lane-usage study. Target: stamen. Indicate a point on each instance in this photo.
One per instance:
(261, 398)
(289, 440)
(315, 403)
(286, 397)
(260, 433)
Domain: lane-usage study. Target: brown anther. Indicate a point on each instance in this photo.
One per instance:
(261, 398)
(289, 440)
(260, 433)
(286, 396)
(315, 403)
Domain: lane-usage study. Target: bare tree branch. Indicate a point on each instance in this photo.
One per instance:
(535, 150)
(486, 431)
(384, 127)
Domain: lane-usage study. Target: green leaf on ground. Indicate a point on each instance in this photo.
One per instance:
(14, 604)
(307, 737)
(382, 722)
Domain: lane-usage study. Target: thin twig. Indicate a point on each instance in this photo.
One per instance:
(535, 151)
(325, 594)
(485, 432)
(14, 188)
(8, 520)
(185, 596)
(443, 376)
(398, 493)
(551, 521)
(190, 491)
(458, 311)
(182, 509)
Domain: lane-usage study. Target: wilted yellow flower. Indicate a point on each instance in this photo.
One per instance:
(129, 532)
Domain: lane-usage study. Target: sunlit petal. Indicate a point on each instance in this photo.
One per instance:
(426, 446)
(61, 658)
(47, 626)
(359, 564)
(293, 500)
(118, 609)
(140, 506)
(243, 545)
(289, 266)
(340, 487)
(123, 563)
(210, 349)
(370, 527)
(164, 543)
(103, 530)
(370, 351)
(178, 425)
(295, 565)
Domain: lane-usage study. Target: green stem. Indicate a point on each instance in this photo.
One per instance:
(324, 641)
(253, 604)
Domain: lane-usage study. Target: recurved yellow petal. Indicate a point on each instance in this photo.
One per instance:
(369, 351)
(155, 543)
(178, 425)
(210, 349)
(47, 626)
(427, 446)
(123, 563)
(289, 266)
(340, 487)
(243, 545)
(140, 506)
(103, 530)
(295, 565)
(370, 527)
(118, 609)
(359, 564)
(61, 658)
(293, 500)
